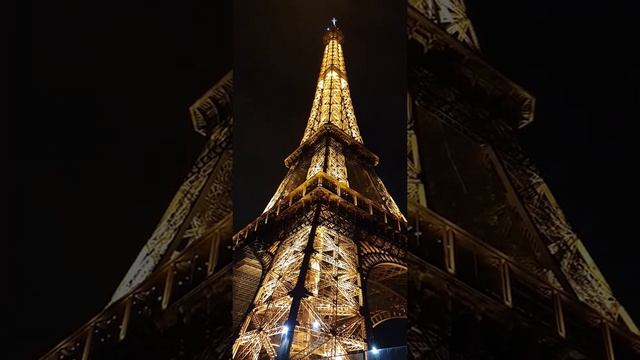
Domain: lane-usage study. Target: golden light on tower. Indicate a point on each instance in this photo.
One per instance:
(312, 300)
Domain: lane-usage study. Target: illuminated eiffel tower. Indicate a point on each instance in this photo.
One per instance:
(330, 242)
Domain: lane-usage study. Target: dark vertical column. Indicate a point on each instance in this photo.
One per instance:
(365, 312)
(299, 291)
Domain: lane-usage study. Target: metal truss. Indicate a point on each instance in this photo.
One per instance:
(415, 185)
(575, 264)
(184, 270)
(386, 292)
(332, 101)
(204, 197)
(345, 255)
(332, 136)
(563, 291)
(328, 322)
(451, 15)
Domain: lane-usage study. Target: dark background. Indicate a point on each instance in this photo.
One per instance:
(104, 138)
(277, 54)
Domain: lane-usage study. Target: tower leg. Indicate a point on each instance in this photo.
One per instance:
(299, 291)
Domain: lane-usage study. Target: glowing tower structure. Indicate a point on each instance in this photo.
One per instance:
(330, 243)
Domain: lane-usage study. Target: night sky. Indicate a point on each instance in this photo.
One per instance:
(104, 138)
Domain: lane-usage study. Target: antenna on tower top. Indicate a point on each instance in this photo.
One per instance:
(333, 21)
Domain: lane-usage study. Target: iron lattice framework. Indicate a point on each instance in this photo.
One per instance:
(495, 269)
(451, 15)
(204, 196)
(331, 239)
(331, 128)
(329, 322)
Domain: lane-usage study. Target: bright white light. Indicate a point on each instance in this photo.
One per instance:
(285, 329)
(316, 325)
(374, 350)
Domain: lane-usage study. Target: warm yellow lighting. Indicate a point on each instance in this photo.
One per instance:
(315, 270)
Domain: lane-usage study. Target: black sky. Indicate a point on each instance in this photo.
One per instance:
(103, 137)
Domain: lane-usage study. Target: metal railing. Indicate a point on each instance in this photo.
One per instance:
(498, 276)
(323, 185)
(196, 266)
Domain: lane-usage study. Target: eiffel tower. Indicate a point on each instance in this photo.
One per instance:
(330, 244)
(495, 270)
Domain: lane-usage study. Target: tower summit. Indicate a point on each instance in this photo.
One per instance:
(331, 131)
(332, 101)
(330, 241)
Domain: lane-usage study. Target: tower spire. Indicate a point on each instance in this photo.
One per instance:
(332, 101)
